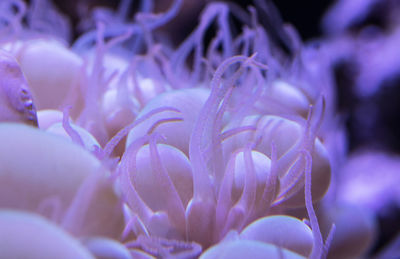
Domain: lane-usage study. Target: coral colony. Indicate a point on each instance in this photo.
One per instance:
(119, 144)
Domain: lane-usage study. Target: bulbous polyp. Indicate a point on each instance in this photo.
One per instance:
(177, 134)
(288, 97)
(283, 231)
(262, 165)
(47, 174)
(47, 118)
(51, 69)
(287, 137)
(248, 249)
(28, 235)
(148, 185)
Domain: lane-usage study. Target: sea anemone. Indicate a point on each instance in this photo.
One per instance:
(143, 149)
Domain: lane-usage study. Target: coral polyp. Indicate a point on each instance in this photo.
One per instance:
(222, 146)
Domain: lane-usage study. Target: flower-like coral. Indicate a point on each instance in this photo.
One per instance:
(146, 150)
